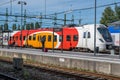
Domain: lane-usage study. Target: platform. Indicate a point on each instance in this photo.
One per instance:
(103, 63)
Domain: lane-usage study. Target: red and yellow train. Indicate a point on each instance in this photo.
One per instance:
(66, 39)
(63, 38)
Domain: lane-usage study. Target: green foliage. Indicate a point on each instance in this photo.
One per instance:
(1, 27)
(37, 25)
(18, 27)
(23, 27)
(27, 26)
(117, 12)
(14, 27)
(110, 15)
(6, 26)
(32, 25)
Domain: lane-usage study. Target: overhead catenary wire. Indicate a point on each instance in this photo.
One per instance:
(51, 15)
(64, 11)
(7, 2)
(86, 8)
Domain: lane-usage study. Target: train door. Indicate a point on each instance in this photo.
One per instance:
(68, 42)
(84, 39)
(88, 40)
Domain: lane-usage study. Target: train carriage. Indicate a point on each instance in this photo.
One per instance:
(103, 38)
(68, 38)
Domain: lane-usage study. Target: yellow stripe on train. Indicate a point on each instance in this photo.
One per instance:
(34, 39)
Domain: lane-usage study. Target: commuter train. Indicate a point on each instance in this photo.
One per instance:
(115, 33)
(66, 37)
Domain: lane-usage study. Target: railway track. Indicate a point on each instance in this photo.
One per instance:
(6, 77)
(55, 73)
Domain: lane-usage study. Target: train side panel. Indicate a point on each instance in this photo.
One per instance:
(85, 37)
(115, 37)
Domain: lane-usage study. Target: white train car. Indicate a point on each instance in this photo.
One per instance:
(5, 36)
(86, 37)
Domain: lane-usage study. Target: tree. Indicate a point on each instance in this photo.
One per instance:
(18, 27)
(1, 27)
(28, 26)
(23, 27)
(117, 12)
(37, 25)
(14, 27)
(32, 25)
(6, 26)
(110, 15)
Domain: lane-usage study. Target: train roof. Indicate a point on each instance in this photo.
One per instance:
(92, 25)
(114, 29)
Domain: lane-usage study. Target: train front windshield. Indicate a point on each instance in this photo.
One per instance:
(105, 34)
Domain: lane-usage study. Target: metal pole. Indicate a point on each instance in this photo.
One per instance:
(62, 39)
(6, 24)
(22, 3)
(119, 42)
(80, 18)
(21, 22)
(55, 20)
(65, 19)
(95, 32)
(45, 8)
(53, 40)
(8, 40)
(72, 19)
(40, 20)
(25, 20)
(6, 15)
(11, 7)
(2, 36)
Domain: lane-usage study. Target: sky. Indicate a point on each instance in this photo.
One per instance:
(35, 7)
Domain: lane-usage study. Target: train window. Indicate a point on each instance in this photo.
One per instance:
(49, 38)
(30, 37)
(34, 36)
(105, 33)
(75, 38)
(88, 35)
(84, 35)
(55, 38)
(68, 38)
(23, 37)
(38, 38)
(60, 38)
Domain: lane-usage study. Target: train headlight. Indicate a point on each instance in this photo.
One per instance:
(101, 40)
